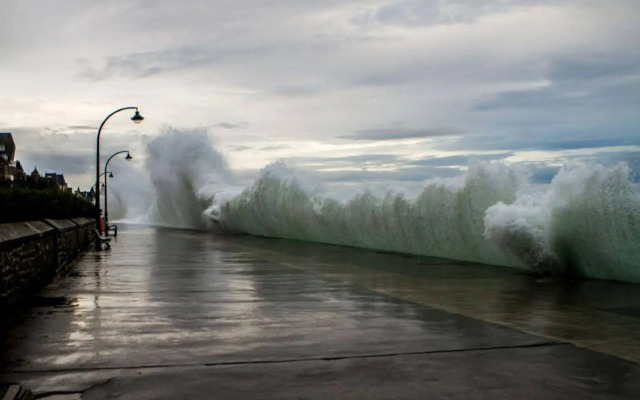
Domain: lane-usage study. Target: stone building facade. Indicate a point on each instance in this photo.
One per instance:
(7, 154)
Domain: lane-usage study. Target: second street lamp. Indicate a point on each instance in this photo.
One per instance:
(106, 199)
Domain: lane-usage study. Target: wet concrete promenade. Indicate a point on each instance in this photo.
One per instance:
(170, 314)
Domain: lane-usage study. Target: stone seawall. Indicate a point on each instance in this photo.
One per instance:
(33, 253)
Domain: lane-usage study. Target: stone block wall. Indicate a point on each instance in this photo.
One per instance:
(33, 253)
(66, 240)
(85, 232)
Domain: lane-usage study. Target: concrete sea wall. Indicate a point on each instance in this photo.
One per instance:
(33, 253)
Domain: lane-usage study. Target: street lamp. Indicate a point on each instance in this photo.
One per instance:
(105, 179)
(137, 118)
(93, 187)
(106, 202)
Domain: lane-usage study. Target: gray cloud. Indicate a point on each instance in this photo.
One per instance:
(358, 158)
(591, 67)
(239, 148)
(579, 80)
(399, 133)
(81, 128)
(275, 147)
(60, 163)
(586, 143)
(591, 101)
(229, 125)
(459, 160)
(564, 97)
(420, 13)
(296, 90)
(146, 64)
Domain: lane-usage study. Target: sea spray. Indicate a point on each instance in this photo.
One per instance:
(586, 222)
(189, 177)
(130, 193)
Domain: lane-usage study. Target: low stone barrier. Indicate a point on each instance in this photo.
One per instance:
(85, 231)
(33, 253)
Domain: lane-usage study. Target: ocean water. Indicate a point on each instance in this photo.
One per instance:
(586, 222)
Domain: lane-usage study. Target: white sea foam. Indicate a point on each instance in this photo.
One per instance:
(586, 222)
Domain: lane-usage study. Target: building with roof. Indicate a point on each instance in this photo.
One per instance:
(87, 195)
(7, 154)
(57, 178)
(18, 171)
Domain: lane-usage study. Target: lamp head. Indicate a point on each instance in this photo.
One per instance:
(137, 118)
(110, 174)
(128, 157)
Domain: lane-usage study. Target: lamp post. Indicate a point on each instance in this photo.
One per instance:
(94, 185)
(105, 179)
(137, 118)
(106, 198)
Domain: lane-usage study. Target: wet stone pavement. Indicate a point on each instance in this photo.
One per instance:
(174, 314)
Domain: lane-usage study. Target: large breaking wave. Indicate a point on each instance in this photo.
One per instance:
(585, 223)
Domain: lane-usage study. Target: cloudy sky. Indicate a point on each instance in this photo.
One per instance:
(400, 89)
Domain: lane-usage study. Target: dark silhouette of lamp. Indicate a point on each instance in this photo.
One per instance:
(137, 118)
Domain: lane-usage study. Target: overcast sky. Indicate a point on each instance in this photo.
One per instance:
(405, 89)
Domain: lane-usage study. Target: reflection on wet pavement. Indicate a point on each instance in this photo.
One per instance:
(599, 315)
(168, 299)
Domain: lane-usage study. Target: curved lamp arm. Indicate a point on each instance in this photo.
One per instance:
(106, 200)
(115, 154)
